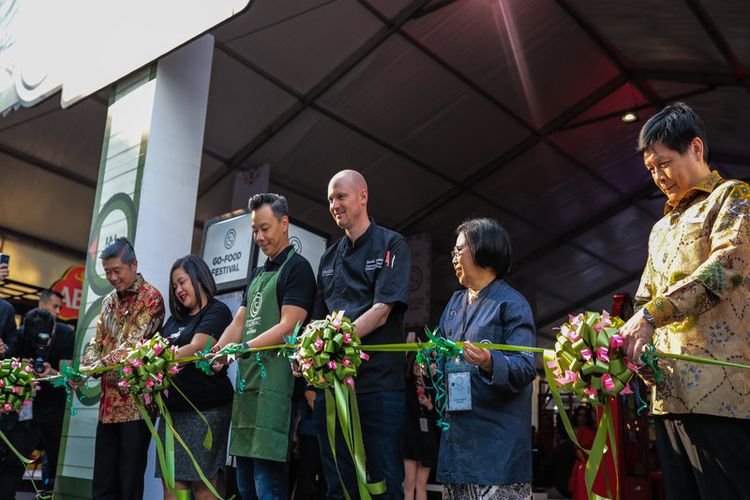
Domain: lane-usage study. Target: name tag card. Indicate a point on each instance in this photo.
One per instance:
(459, 385)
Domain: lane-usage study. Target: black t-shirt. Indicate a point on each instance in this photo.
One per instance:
(352, 277)
(296, 284)
(49, 402)
(204, 391)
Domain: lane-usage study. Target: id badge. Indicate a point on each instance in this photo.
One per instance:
(459, 385)
(424, 426)
(26, 413)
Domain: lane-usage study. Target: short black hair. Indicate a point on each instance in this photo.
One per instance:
(121, 248)
(37, 321)
(488, 243)
(675, 126)
(201, 279)
(45, 295)
(278, 203)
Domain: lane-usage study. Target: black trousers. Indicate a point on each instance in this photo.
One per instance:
(49, 434)
(23, 438)
(704, 456)
(120, 460)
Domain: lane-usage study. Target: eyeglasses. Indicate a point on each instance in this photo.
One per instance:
(456, 252)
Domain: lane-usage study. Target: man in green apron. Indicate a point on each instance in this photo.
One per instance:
(280, 295)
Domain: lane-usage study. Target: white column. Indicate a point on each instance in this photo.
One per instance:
(147, 190)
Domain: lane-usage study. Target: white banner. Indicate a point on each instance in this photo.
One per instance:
(227, 250)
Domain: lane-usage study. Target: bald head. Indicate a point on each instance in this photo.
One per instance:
(347, 201)
(349, 178)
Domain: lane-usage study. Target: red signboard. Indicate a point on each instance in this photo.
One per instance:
(70, 287)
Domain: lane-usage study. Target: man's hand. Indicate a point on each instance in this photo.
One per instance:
(478, 356)
(638, 333)
(3, 348)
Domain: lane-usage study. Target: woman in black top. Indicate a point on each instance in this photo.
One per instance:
(197, 320)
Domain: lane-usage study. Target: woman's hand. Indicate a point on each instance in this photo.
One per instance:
(478, 356)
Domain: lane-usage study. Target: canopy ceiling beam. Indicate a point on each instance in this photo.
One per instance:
(610, 51)
(47, 166)
(721, 43)
(570, 235)
(696, 77)
(514, 152)
(43, 243)
(318, 90)
(618, 114)
(433, 7)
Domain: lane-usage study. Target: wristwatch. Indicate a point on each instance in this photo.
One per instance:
(647, 316)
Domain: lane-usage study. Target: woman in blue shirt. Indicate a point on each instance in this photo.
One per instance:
(486, 452)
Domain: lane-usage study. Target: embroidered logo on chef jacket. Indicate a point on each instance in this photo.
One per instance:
(372, 264)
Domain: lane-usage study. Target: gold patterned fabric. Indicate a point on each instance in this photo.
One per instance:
(125, 318)
(696, 287)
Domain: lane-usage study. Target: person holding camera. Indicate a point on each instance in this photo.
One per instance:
(47, 346)
(38, 426)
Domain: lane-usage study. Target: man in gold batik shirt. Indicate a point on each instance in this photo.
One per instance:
(694, 298)
(134, 310)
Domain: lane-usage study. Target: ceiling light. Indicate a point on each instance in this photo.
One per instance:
(629, 117)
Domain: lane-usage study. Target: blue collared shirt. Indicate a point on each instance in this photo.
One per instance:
(491, 443)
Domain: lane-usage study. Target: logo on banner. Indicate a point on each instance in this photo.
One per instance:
(415, 279)
(296, 244)
(70, 286)
(230, 238)
(256, 304)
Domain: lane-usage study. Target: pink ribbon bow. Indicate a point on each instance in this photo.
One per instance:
(607, 382)
(570, 377)
(616, 341)
(602, 354)
(318, 344)
(590, 392)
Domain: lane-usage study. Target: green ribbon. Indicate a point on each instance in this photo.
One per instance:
(204, 364)
(261, 366)
(650, 357)
(67, 374)
(342, 406)
(443, 349)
